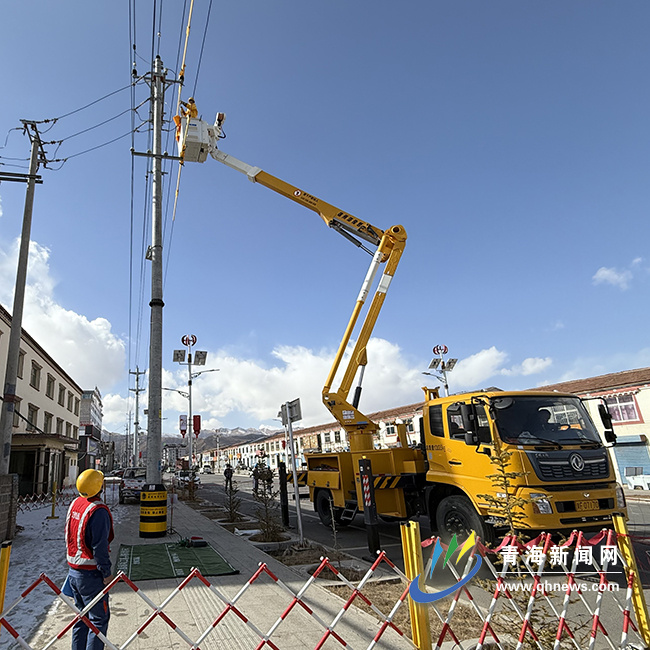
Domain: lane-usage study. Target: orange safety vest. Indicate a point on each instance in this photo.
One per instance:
(79, 556)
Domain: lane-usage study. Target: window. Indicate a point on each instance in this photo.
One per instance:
(49, 388)
(391, 430)
(61, 395)
(435, 421)
(35, 377)
(409, 425)
(59, 427)
(17, 412)
(76, 406)
(337, 436)
(623, 408)
(327, 438)
(47, 422)
(21, 364)
(75, 433)
(32, 416)
(68, 429)
(70, 401)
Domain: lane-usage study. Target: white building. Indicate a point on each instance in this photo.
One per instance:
(45, 434)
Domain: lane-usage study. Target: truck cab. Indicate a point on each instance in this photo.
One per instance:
(535, 455)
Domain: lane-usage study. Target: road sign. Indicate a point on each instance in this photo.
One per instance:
(189, 340)
(291, 412)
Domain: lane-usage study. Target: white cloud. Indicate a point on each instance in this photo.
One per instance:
(86, 349)
(615, 277)
(249, 387)
(532, 366)
(476, 370)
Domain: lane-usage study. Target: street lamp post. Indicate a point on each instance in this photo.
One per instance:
(445, 366)
(199, 359)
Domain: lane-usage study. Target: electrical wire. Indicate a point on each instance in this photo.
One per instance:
(81, 153)
(205, 32)
(77, 110)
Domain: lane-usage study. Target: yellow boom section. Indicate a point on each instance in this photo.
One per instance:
(390, 244)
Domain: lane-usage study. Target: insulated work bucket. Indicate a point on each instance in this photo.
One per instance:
(153, 511)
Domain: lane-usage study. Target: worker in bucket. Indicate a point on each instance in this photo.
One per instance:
(88, 532)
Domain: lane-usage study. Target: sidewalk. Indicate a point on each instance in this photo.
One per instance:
(195, 607)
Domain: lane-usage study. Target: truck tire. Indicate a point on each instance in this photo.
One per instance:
(456, 515)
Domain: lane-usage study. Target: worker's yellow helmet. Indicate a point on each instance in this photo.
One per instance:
(89, 483)
(191, 99)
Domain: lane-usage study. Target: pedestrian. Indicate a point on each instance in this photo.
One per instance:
(228, 474)
(256, 478)
(88, 533)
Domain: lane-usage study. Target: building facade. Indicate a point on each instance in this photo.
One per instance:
(91, 450)
(45, 435)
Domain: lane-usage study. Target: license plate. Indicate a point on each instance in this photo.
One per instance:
(592, 504)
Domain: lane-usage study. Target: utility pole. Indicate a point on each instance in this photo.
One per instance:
(154, 434)
(11, 373)
(136, 435)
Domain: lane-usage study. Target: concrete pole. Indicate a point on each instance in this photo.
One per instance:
(154, 435)
(11, 373)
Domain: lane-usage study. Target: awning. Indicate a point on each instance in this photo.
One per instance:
(640, 439)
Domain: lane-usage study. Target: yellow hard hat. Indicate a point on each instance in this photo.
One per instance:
(89, 482)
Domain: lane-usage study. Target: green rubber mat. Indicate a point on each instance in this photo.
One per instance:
(159, 561)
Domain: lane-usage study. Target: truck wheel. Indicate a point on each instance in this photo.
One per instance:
(322, 507)
(456, 515)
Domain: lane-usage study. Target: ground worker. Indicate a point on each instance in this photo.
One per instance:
(88, 532)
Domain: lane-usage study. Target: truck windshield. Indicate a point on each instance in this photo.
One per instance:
(544, 420)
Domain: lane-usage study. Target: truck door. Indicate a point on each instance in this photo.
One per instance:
(464, 466)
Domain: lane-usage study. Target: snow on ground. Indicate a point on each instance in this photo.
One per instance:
(39, 548)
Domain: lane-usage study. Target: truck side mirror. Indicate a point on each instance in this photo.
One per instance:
(606, 418)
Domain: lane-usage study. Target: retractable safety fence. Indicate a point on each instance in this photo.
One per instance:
(230, 606)
(542, 592)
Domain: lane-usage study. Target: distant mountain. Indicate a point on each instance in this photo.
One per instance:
(207, 438)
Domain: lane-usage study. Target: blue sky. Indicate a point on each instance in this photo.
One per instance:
(509, 138)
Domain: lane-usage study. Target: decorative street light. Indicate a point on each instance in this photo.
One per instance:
(444, 366)
(199, 360)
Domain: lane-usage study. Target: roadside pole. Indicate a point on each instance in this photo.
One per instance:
(284, 497)
(369, 507)
(290, 412)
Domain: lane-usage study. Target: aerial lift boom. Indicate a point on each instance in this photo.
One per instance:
(389, 246)
(198, 139)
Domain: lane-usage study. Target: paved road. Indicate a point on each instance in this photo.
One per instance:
(352, 539)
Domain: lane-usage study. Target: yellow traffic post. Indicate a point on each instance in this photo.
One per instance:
(414, 566)
(638, 598)
(5, 554)
(53, 516)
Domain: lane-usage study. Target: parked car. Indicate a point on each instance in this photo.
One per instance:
(206, 469)
(183, 478)
(639, 482)
(132, 482)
